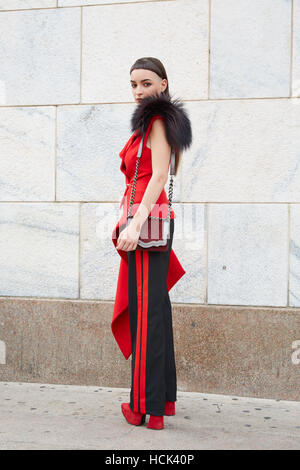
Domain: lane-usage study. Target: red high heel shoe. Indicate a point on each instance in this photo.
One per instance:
(170, 408)
(155, 422)
(132, 417)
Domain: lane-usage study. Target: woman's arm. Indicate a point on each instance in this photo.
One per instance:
(160, 152)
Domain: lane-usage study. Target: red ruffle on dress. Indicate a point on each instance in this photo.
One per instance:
(120, 321)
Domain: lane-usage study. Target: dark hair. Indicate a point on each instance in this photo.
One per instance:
(155, 65)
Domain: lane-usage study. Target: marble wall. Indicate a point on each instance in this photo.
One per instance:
(65, 105)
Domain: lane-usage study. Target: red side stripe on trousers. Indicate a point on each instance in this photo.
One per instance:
(144, 332)
(142, 265)
(138, 331)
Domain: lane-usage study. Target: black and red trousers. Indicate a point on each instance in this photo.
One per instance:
(153, 369)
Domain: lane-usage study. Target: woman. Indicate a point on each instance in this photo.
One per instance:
(142, 318)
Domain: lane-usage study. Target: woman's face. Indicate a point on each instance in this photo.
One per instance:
(145, 83)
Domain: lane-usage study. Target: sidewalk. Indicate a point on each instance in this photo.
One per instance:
(46, 416)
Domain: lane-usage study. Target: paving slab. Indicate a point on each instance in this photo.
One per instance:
(50, 416)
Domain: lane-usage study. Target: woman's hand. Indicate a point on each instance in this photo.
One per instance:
(129, 237)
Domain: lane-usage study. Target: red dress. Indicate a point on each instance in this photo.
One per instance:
(120, 321)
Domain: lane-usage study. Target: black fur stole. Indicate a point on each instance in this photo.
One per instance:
(177, 123)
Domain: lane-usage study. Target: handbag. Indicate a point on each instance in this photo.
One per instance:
(155, 231)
